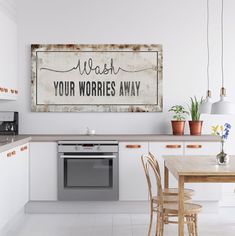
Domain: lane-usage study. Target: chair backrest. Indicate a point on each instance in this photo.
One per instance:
(153, 158)
(152, 179)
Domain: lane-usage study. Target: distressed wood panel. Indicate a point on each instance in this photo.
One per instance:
(97, 78)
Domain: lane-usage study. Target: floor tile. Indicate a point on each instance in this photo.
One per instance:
(221, 223)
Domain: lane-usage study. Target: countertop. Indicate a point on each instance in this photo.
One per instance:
(9, 142)
(124, 137)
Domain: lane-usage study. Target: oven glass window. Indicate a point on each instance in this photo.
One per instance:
(88, 172)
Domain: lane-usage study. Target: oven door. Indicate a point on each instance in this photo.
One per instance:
(87, 174)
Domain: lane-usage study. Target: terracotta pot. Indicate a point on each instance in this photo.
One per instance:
(178, 127)
(195, 127)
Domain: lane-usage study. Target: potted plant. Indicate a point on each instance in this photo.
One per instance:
(178, 123)
(195, 125)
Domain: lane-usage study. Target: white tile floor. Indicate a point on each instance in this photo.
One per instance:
(210, 224)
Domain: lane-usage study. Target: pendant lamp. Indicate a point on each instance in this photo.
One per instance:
(205, 107)
(222, 106)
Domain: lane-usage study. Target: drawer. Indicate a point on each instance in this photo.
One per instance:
(229, 189)
(161, 149)
(132, 181)
(201, 148)
(169, 148)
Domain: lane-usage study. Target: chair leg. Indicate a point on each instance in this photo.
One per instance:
(150, 223)
(196, 228)
(162, 223)
(167, 219)
(189, 224)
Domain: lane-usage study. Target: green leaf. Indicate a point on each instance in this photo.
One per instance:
(178, 111)
(194, 108)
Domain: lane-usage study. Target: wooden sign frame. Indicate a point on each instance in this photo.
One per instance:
(97, 78)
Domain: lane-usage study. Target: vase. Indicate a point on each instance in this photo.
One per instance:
(178, 127)
(195, 127)
(222, 158)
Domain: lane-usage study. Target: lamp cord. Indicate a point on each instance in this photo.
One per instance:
(222, 41)
(208, 47)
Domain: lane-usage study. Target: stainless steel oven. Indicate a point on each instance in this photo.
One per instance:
(88, 170)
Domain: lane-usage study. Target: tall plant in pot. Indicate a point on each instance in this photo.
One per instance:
(195, 125)
(178, 123)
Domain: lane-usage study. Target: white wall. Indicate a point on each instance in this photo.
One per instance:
(8, 46)
(179, 25)
(8, 7)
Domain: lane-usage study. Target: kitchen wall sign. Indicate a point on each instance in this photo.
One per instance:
(96, 78)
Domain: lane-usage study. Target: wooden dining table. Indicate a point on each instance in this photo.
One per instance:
(196, 169)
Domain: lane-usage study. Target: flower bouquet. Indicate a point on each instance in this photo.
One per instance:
(223, 132)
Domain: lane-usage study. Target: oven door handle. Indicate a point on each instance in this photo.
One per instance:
(88, 156)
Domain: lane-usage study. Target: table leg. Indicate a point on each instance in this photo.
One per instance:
(181, 206)
(166, 177)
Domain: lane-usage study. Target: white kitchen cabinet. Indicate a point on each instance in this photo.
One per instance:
(201, 148)
(131, 171)
(8, 58)
(159, 149)
(204, 191)
(43, 171)
(132, 182)
(22, 174)
(13, 182)
(228, 194)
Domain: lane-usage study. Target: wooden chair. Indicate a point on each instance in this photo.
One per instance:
(166, 211)
(170, 191)
(168, 197)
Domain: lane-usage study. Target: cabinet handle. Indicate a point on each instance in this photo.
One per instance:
(9, 154)
(194, 146)
(173, 146)
(133, 146)
(23, 148)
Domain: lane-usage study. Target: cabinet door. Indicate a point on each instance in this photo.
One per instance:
(5, 189)
(13, 182)
(23, 174)
(160, 149)
(204, 191)
(228, 195)
(132, 182)
(8, 58)
(201, 148)
(43, 171)
(8, 185)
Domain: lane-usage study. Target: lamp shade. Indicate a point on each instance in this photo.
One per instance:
(205, 107)
(223, 107)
